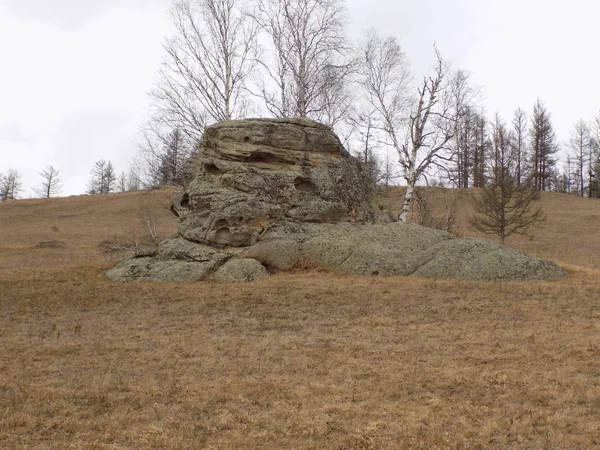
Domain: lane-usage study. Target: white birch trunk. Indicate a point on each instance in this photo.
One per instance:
(408, 196)
(411, 182)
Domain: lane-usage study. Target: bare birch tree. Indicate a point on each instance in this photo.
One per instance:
(51, 184)
(419, 136)
(430, 130)
(310, 64)
(207, 63)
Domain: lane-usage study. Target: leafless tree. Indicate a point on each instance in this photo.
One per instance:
(51, 184)
(504, 207)
(420, 135)
(386, 77)
(10, 185)
(162, 157)
(423, 211)
(309, 64)
(334, 103)
(274, 89)
(133, 180)
(430, 127)
(103, 179)
(481, 146)
(363, 141)
(463, 101)
(564, 179)
(543, 148)
(388, 171)
(206, 65)
(122, 182)
(594, 169)
(519, 149)
(579, 144)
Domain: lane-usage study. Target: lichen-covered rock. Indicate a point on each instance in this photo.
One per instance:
(252, 173)
(240, 270)
(176, 261)
(279, 194)
(395, 249)
(149, 269)
(482, 259)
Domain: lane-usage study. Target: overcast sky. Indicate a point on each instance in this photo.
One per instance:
(75, 73)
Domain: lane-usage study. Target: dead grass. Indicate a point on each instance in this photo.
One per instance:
(569, 235)
(304, 360)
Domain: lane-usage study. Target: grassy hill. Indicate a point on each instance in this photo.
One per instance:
(299, 360)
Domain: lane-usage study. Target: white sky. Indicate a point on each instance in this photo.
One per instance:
(75, 74)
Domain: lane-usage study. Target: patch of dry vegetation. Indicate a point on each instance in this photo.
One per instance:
(300, 360)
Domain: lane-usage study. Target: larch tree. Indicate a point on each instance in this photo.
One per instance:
(519, 144)
(504, 207)
(51, 184)
(464, 108)
(480, 149)
(543, 148)
(580, 154)
(103, 179)
(594, 169)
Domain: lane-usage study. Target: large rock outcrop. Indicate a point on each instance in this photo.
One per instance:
(253, 173)
(275, 194)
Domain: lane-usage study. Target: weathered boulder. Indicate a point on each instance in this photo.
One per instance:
(240, 270)
(394, 249)
(253, 173)
(278, 194)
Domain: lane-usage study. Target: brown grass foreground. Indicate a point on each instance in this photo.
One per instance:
(301, 360)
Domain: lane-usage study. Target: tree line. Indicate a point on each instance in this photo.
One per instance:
(103, 180)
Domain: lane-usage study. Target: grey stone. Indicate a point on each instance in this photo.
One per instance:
(282, 194)
(240, 270)
(253, 173)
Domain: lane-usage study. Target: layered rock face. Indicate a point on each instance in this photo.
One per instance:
(253, 173)
(283, 193)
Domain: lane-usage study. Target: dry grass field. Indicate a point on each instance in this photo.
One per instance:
(306, 360)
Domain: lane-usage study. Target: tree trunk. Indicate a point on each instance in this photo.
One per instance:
(408, 196)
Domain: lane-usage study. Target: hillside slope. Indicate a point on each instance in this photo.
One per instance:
(568, 236)
(82, 223)
(299, 360)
